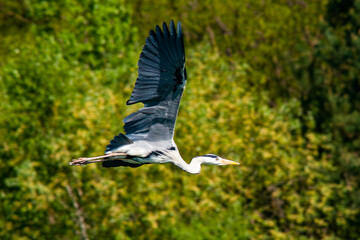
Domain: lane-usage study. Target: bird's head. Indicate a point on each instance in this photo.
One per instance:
(213, 159)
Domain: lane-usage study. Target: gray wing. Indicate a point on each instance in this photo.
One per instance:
(160, 84)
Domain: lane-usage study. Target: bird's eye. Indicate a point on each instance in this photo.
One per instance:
(217, 158)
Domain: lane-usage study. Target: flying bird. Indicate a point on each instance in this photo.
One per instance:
(149, 131)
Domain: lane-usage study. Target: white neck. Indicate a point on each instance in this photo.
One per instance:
(193, 168)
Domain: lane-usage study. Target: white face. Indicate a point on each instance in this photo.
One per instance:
(213, 159)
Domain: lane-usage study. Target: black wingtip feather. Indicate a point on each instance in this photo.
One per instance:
(159, 32)
(179, 29)
(118, 141)
(172, 29)
(166, 30)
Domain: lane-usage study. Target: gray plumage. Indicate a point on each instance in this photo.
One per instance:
(160, 84)
(150, 130)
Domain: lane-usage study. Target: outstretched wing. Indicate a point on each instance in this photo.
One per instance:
(160, 84)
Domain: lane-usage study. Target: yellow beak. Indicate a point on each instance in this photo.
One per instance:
(228, 162)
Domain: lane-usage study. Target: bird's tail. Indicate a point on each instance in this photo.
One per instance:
(104, 158)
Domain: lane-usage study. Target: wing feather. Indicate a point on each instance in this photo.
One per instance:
(160, 84)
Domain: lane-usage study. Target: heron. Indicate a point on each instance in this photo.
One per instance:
(149, 131)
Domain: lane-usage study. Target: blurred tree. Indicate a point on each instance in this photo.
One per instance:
(329, 90)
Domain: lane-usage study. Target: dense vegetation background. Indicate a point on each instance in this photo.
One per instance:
(272, 84)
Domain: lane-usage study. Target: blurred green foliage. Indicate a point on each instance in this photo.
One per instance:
(272, 84)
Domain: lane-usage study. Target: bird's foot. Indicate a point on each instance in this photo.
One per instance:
(79, 161)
